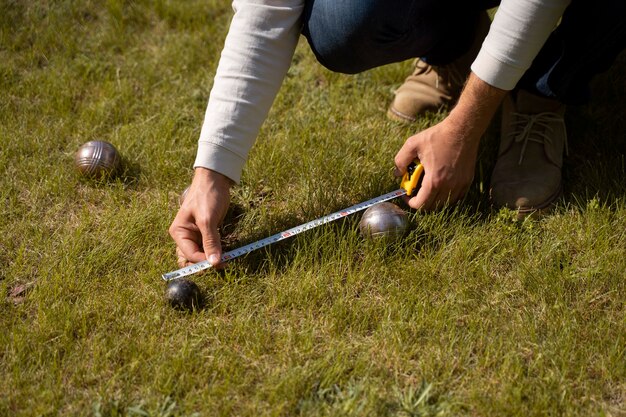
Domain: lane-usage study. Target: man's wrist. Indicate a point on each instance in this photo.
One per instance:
(206, 175)
(476, 106)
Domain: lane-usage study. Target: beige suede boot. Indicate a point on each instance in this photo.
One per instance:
(431, 88)
(527, 175)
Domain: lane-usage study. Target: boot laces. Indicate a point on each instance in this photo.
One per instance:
(449, 73)
(536, 128)
(421, 67)
(454, 74)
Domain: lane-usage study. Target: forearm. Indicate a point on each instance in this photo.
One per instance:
(475, 109)
(256, 56)
(519, 30)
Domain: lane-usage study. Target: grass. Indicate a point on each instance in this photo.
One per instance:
(473, 314)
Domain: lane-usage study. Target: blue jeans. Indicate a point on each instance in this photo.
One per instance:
(351, 36)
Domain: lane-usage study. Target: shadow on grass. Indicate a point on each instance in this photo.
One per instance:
(127, 175)
(130, 172)
(596, 166)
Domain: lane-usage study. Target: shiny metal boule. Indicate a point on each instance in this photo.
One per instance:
(384, 221)
(97, 159)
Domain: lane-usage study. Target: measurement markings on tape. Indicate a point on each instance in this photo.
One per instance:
(235, 253)
(410, 182)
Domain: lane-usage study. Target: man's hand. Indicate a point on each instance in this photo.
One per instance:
(194, 228)
(448, 158)
(448, 150)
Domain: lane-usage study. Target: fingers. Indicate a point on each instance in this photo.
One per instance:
(181, 260)
(433, 194)
(404, 157)
(425, 199)
(429, 198)
(211, 242)
(204, 207)
(195, 242)
(186, 235)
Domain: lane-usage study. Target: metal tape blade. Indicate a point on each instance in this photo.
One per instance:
(235, 253)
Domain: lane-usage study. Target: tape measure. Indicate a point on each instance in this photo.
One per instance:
(410, 182)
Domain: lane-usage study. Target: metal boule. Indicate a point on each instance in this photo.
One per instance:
(97, 159)
(384, 221)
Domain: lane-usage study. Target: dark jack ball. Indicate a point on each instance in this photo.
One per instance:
(183, 294)
(97, 159)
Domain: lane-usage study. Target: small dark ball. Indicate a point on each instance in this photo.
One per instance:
(183, 294)
(97, 159)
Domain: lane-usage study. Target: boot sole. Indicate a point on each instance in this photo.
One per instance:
(398, 116)
(539, 210)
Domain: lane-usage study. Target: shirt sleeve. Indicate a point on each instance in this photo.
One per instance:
(518, 32)
(257, 53)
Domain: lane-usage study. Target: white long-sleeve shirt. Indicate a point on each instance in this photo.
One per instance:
(260, 45)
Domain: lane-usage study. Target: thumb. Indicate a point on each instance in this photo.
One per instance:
(404, 157)
(211, 244)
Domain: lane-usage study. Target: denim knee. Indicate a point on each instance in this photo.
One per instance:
(353, 36)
